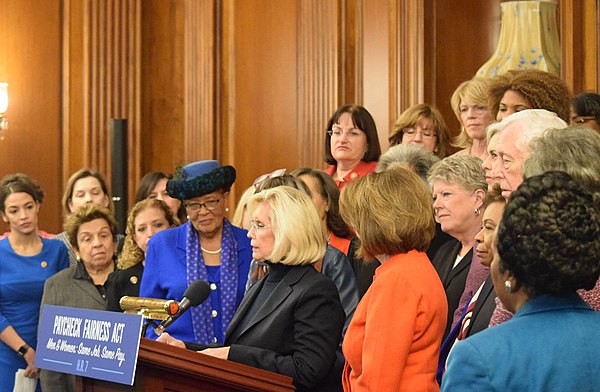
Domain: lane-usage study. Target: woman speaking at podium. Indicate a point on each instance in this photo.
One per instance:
(289, 322)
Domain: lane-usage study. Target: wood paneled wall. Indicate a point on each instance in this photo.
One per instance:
(101, 81)
(30, 62)
(248, 82)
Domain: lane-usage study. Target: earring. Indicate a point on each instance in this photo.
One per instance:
(187, 217)
(477, 211)
(226, 209)
(508, 286)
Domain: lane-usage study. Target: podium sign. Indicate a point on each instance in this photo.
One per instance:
(89, 343)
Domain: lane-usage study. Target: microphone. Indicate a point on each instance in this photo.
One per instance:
(194, 295)
(156, 309)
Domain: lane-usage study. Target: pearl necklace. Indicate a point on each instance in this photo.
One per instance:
(211, 252)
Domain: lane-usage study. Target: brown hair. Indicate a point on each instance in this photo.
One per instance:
(86, 214)
(415, 114)
(391, 212)
(362, 120)
(541, 89)
(78, 175)
(16, 183)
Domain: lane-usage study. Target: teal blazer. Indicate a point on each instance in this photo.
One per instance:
(551, 344)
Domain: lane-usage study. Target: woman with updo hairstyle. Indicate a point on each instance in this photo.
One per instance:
(517, 90)
(146, 218)
(422, 125)
(393, 341)
(26, 262)
(547, 249)
(469, 102)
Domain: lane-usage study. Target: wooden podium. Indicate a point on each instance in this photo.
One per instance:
(161, 367)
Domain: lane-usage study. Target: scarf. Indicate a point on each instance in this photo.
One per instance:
(202, 321)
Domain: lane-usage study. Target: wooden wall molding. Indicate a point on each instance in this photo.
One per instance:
(318, 74)
(199, 80)
(101, 80)
(579, 37)
(407, 55)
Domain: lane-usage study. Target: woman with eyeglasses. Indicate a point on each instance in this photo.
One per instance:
(207, 248)
(351, 144)
(585, 111)
(422, 125)
(469, 102)
(291, 320)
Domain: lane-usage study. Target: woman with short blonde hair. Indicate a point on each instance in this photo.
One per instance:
(470, 104)
(289, 207)
(290, 321)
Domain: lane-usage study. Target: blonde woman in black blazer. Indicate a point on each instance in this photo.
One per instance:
(290, 322)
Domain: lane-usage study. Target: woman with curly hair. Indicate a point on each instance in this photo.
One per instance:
(147, 218)
(518, 90)
(424, 126)
(546, 249)
(469, 102)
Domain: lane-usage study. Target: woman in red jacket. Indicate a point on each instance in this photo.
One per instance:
(393, 341)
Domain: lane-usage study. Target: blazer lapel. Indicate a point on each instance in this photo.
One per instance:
(277, 297)
(464, 263)
(486, 291)
(90, 290)
(244, 306)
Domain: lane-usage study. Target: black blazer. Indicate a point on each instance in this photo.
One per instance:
(295, 332)
(484, 307)
(123, 282)
(453, 279)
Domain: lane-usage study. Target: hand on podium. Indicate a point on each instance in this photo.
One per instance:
(168, 339)
(220, 352)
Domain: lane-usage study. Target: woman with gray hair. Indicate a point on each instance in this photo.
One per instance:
(458, 187)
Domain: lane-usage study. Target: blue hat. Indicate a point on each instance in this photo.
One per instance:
(200, 178)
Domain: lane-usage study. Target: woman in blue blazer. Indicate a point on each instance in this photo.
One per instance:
(547, 248)
(207, 248)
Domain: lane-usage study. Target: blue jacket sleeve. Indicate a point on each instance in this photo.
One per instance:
(466, 370)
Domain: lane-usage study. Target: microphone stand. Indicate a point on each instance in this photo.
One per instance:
(148, 323)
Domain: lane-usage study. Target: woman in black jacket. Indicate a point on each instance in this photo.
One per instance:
(289, 322)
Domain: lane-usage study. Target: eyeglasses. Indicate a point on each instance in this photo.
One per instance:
(412, 132)
(477, 109)
(196, 206)
(273, 174)
(582, 119)
(339, 132)
(257, 226)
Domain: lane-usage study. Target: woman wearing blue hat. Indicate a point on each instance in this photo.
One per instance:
(207, 248)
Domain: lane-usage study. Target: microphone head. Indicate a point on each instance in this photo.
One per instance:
(197, 292)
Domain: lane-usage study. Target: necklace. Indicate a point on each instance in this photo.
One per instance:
(211, 252)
